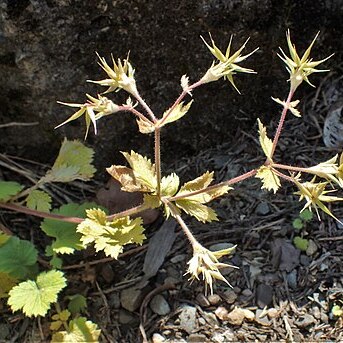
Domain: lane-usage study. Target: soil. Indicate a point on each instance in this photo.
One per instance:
(290, 294)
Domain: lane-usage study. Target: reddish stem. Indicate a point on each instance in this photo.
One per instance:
(179, 99)
(218, 185)
(281, 122)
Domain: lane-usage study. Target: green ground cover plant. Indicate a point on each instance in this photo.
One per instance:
(74, 227)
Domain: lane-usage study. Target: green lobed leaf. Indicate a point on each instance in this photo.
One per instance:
(300, 243)
(337, 311)
(80, 330)
(77, 303)
(8, 189)
(74, 161)
(18, 257)
(7, 282)
(297, 224)
(306, 215)
(39, 200)
(35, 297)
(110, 236)
(4, 238)
(67, 239)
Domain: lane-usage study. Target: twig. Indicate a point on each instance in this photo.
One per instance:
(14, 123)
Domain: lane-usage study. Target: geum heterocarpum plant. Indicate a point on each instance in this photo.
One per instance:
(110, 232)
(146, 177)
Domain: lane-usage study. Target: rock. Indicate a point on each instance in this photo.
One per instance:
(312, 248)
(247, 292)
(305, 260)
(230, 296)
(171, 280)
(214, 299)
(316, 312)
(304, 321)
(292, 279)
(202, 300)
(114, 300)
(178, 258)
(126, 317)
(131, 298)
(188, 318)
(220, 246)
(157, 338)
(249, 315)
(196, 337)
(236, 316)
(264, 295)
(202, 321)
(221, 312)
(262, 320)
(210, 318)
(262, 209)
(324, 317)
(273, 313)
(226, 336)
(159, 305)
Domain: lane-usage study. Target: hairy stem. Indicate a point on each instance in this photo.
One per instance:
(281, 122)
(75, 220)
(291, 168)
(146, 107)
(135, 112)
(283, 176)
(183, 225)
(158, 159)
(129, 212)
(180, 98)
(232, 181)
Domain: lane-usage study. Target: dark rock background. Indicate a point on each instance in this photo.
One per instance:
(47, 51)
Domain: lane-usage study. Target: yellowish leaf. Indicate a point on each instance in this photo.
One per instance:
(201, 212)
(170, 185)
(270, 180)
(266, 143)
(143, 169)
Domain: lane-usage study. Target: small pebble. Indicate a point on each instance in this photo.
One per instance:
(214, 299)
(324, 317)
(178, 258)
(125, 317)
(304, 321)
(305, 260)
(316, 312)
(202, 300)
(230, 296)
(211, 318)
(236, 316)
(262, 320)
(262, 208)
(312, 248)
(157, 338)
(221, 312)
(247, 292)
(273, 313)
(264, 295)
(220, 246)
(196, 337)
(202, 321)
(159, 305)
(292, 279)
(188, 318)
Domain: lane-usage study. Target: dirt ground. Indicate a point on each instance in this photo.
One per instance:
(279, 293)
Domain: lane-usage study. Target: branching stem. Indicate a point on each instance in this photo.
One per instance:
(183, 225)
(180, 98)
(218, 185)
(158, 159)
(146, 107)
(282, 120)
